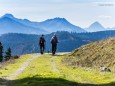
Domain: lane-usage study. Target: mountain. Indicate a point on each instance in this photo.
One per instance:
(59, 24)
(113, 28)
(8, 25)
(8, 15)
(47, 26)
(22, 21)
(96, 26)
(28, 43)
(94, 55)
(23, 43)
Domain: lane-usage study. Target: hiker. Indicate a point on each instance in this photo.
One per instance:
(42, 44)
(54, 41)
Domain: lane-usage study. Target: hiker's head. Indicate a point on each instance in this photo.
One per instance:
(42, 35)
(54, 35)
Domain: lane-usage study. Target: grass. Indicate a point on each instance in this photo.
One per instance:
(94, 55)
(13, 65)
(49, 70)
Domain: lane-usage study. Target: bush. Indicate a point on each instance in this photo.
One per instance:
(16, 57)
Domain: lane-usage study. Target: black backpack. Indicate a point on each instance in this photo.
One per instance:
(41, 41)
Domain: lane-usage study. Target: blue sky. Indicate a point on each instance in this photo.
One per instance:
(79, 12)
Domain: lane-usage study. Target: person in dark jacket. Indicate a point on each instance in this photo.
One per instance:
(54, 41)
(42, 44)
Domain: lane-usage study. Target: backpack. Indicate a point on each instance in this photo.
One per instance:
(41, 41)
(53, 41)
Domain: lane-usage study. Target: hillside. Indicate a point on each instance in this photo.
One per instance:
(48, 70)
(23, 43)
(28, 43)
(94, 55)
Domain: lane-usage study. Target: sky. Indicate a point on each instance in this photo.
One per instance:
(78, 12)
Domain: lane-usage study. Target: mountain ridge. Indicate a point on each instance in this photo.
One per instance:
(47, 26)
(8, 25)
(28, 43)
(58, 24)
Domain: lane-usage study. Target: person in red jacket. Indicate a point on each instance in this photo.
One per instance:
(54, 41)
(42, 44)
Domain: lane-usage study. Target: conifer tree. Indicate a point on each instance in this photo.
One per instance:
(8, 54)
(1, 51)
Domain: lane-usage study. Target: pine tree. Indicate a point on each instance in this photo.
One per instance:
(8, 54)
(1, 51)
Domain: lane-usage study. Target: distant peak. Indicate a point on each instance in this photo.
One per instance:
(8, 15)
(58, 18)
(26, 19)
(96, 24)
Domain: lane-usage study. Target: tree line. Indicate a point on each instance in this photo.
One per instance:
(7, 55)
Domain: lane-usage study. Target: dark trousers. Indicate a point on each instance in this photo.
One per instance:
(42, 47)
(54, 47)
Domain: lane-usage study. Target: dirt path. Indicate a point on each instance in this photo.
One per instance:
(54, 65)
(20, 70)
(55, 68)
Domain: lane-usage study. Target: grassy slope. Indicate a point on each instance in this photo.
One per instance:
(12, 65)
(94, 55)
(50, 71)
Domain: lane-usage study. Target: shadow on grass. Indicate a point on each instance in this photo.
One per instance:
(37, 81)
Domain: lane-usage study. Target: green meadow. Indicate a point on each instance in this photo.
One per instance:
(48, 70)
